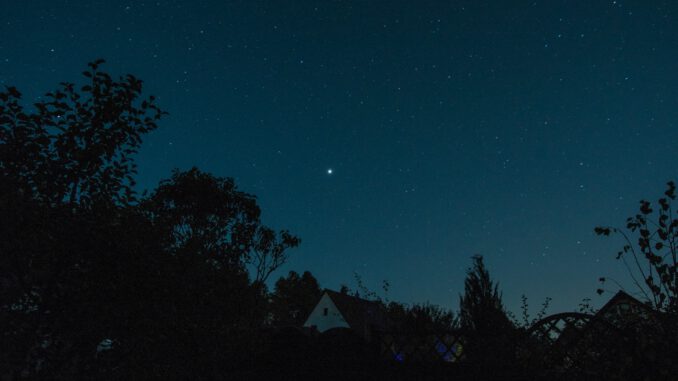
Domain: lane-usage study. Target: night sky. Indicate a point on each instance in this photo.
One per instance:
(397, 138)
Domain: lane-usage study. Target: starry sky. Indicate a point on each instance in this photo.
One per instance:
(397, 138)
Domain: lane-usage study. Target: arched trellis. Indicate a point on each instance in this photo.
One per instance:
(575, 343)
(550, 329)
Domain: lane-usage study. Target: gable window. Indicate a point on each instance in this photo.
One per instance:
(325, 311)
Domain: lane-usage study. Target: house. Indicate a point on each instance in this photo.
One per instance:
(340, 310)
(623, 309)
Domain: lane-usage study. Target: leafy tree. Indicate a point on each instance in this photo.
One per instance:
(293, 298)
(206, 231)
(652, 261)
(65, 180)
(489, 332)
(207, 217)
(76, 146)
(93, 283)
(480, 308)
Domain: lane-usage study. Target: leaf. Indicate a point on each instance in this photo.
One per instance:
(664, 204)
(671, 192)
(602, 231)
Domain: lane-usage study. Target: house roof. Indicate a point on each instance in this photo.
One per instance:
(623, 306)
(360, 314)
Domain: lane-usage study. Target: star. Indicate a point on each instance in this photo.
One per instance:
(329, 171)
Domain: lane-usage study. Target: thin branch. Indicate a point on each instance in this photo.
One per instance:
(635, 258)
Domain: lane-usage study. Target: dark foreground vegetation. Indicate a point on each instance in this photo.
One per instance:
(97, 282)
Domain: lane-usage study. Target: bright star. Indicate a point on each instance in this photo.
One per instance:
(329, 171)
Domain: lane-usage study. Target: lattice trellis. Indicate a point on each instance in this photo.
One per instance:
(558, 327)
(574, 341)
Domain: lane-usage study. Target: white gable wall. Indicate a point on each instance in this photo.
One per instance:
(323, 322)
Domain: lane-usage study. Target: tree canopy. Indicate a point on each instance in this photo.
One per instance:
(77, 144)
(293, 299)
(97, 281)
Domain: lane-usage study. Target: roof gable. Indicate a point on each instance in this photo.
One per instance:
(326, 315)
(360, 314)
(623, 308)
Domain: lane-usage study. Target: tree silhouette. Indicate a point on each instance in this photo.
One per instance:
(76, 146)
(293, 299)
(200, 215)
(95, 284)
(65, 187)
(480, 307)
(488, 330)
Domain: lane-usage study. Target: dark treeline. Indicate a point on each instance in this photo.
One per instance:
(98, 282)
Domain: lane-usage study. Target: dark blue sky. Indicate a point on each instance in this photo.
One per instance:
(507, 129)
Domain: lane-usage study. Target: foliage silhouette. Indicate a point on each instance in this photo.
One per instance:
(650, 255)
(525, 320)
(65, 187)
(490, 335)
(76, 146)
(480, 306)
(424, 317)
(96, 284)
(293, 299)
(201, 215)
(656, 237)
(421, 318)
